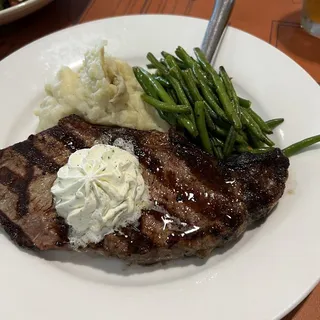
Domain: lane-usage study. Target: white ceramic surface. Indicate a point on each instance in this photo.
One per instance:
(21, 10)
(262, 276)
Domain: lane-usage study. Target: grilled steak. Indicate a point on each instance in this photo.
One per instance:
(199, 203)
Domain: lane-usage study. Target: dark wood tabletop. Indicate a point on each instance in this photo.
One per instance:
(275, 21)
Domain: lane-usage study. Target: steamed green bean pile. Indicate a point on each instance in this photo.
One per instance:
(191, 95)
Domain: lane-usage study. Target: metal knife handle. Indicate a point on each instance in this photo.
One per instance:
(217, 23)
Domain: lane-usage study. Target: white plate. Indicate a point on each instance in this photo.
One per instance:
(21, 10)
(264, 275)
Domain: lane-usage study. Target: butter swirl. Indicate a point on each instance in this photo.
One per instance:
(98, 191)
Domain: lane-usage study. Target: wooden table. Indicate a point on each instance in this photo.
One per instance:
(274, 21)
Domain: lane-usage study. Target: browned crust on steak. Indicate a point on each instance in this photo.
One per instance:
(203, 203)
(15, 232)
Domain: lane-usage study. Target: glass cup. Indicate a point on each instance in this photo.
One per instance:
(310, 19)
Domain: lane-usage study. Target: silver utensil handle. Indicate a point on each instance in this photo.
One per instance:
(217, 23)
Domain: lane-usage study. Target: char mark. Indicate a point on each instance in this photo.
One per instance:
(35, 157)
(15, 232)
(62, 229)
(69, 140)
(19, 186)
(138, 242)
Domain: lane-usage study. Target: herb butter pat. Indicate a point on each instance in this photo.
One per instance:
(98, 191)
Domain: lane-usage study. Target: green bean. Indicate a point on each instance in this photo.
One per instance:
(230, 89)
(176, 73)
(263, 126)
(230, 141)
(267, 140)
(155, 90)
(220, 89)
(165, 97)
(241, 140)
(163, 62)
(187, 76)
(255, 142)
(163, 106)
(216, 141)
(157, 63)
(170, 118)
(224, 127)
(189, 61)
(165, 83)
(208, 81)
(151, 66)
(171, 62)
(254, 128)
(216, 147)
(189, 125)
(201, 124)
(207, 93)
(173, 95)
(222, 132)
(182, 98)
(244, 102)
(244, 135)
(273, 123)
(298, 146)
(195, 79)
(144, 82)
(161, 92)
(212, 114)
(227, 82)
(180, 63)
(223, 124)
(210, 124)
(184, 56)
(218, 152)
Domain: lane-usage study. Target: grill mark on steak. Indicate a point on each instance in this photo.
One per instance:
(18, 185)
(23, 193)
(138, 243)
(35, 156)
(10, 179)
(62, 229)
(70, 141)
(150, 162)
(15, 232)
(81, 129)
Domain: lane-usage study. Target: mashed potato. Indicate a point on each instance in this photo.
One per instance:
(104, 91)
